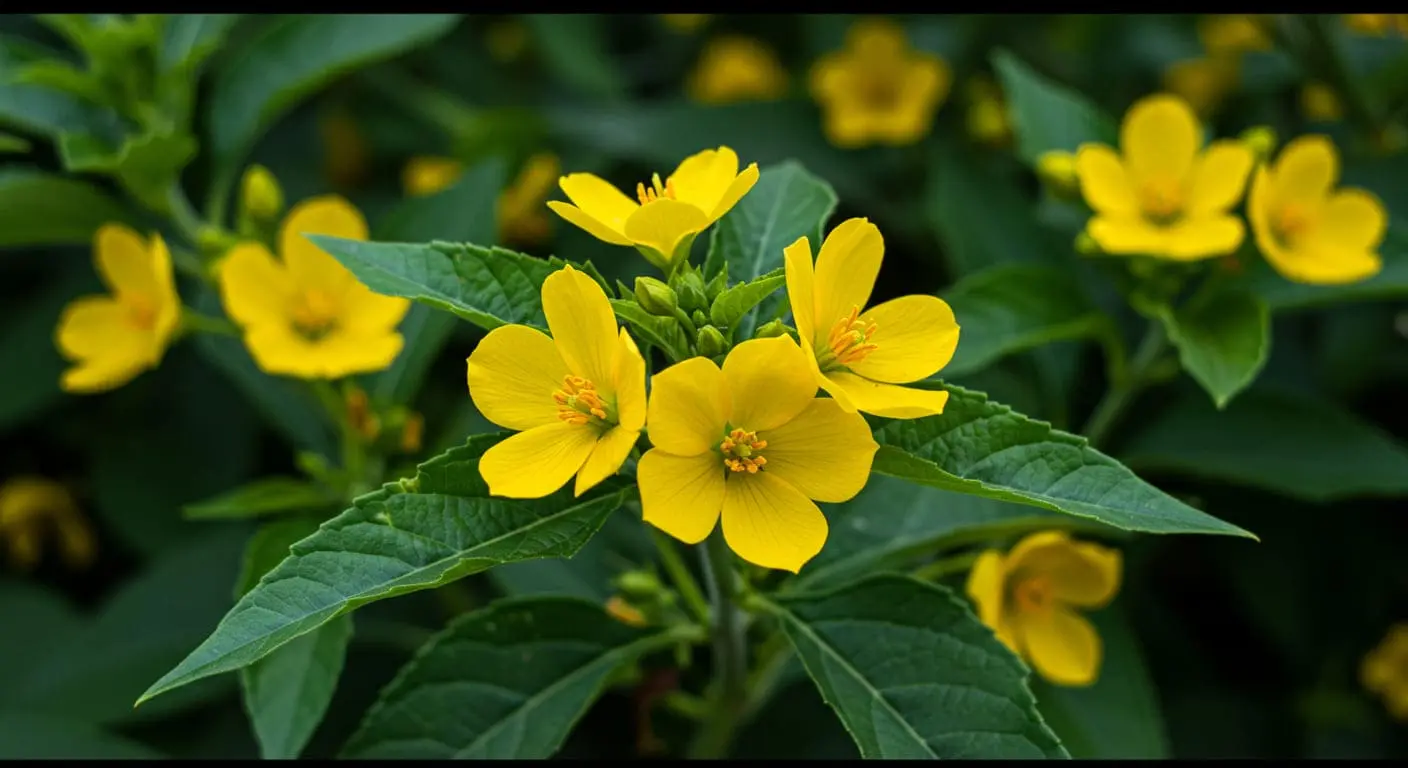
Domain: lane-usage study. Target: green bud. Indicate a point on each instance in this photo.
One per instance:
(700, 319)
(718, 285)
(1261, 140)
(1086, 245)
(711, 343)
(260, 194)
(770, 329)
(655, 297)
(1057, 171)
(639, 583)
(689, 285)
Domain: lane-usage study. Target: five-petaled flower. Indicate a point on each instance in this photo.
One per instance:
(306, 315)
(1026, 597)
(1165, 197)
(665, 217)
(1384, 670)
(859, 357)
(115, 337)
(750, 443)
(877, 89)
(30, 507)
(734, 68)
(576, 399)
(1307, 230)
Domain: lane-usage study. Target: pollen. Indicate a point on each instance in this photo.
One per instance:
(1033, 594)
(578, 402)
(1161, 200)
(1292, 222)
(849, 341)
(656, 191)
(315, 314)
(742, 451)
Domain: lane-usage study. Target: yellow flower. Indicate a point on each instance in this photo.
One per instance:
(520, 213)
(734, 68)
(752, 444)
(1229, 34)
(664, 219)
(29, 506)
(987, 118)
(1308, 231)
(1377, 23)
(1165, 197)
(878, 89)
(858, 357)
(685, 22)
(1384, 670)
(577, 399)
(1057, 170)
(1319, 103)
(1026, 598)
(117, 336)
(304, 314)
(1202, 82)
(424, 176)
(625, 613)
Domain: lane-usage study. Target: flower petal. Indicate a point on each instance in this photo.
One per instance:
(824, 452)
(689, 407)
(582, 325)
(1127, 236)
(1219, 177)
(770, 523)
(1353, 219)
(309, 265)
(739, 187)
(629, 384)
(915, 336)
(124, 261)
(1061, 645)
(533, 464)
(1160, 137)
(1104, 182)
(1204, 237)
(888, 400)
(801, 291)
(1081, 573)
(253, 286)
(607, 457)
(365, 311)
(769, 382)
(661, 224)
(512, 376)
(1305, 171)
(1318, 264)
(280, 350)
(987, 586)
(593, 227)
(702, 178)
(599, 200)
(681, 495)
(846, 269)
(95, 331)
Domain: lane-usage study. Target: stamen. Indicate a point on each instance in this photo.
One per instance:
(741, 451)
(1292, 222)
(1161, 200)
(1032, 594)
(314, 314)
(578, 402)
(656, 190)
(848, 343)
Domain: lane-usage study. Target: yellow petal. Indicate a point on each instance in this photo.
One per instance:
(600, 201)
(681, 495)
(1127, 235)
(662, 224)
(98, 327)
(1317, 264)
(824, 452)
(735, 192)
(1203, 237)
(1305, 171)
(925, 84)
(915, 336)
(593, 227)
(689, 407)
(797, 261)
(100, 374)
(1104, 182)
(769, 382)
(1160, 137)
(125, 262)
(607, 457)
(364, 311)
(1219, 177)
(1377, 672)
(1081, 573)
(512, 376)
(848, 125)
(876, 37)
(987, 587)
(280, 350)
(702, 178)
(533, 464)
(1061, 645)
(253, 286)
(582, 324)
(769, 523)
(309, 265)
(1353, 219)
(888, 400)
(845, 270)
(629, 384)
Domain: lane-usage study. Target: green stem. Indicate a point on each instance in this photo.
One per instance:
(685, 705)
(192, 320)
(686, 322)
(945, 567)
(183, 215)
(772, 659)
(1123, 392)
(729, 692)
(680, 575)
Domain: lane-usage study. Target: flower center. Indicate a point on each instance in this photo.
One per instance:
(1292, 222)
(1161, 200)
(1032, 594)
(141, 312)
(656, 191)
(848, 343)
(742, 451)
(878, 86)
(315, 314)
(578, 402)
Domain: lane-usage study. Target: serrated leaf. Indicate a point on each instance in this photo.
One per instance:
(37, 208)
(913, 674)
(508, 681)
(663, 332)
(390, 544)
(1045, 115)
(1281, 442)
(785, 204)
(730, 306)
(1222, 341)
(984, 448)
(622, 544)
(489, 287)
(265, 496)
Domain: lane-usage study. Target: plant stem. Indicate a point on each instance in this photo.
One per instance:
(1122, 393)
(680, 575)
(195, 321)
(943, 567)
(729, 693)
(183, 215)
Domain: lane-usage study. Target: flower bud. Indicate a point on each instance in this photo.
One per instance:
(1057, 171)
(639, 583)
(655, 297)
(412, 432)
(260, 194)
(1085, 245)
(624, 612)
(700, 319)
(1261, 140)
(711, 343)
(689, 285)
(770, 329)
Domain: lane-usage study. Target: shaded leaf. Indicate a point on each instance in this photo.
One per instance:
(1045, 115)
(574, 51)
(27, 736)
(37, 208)
(262, 497)
(1222, 341)
(663, 332)
(733, 303)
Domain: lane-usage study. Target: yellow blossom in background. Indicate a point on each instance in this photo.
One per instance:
(1026, 597)
(685, 22)
(877, 89)
(987, 118)
(304, 314)
(424, 176)
(1319, 103)
(519, 210)
(858, 356)
(577, 399)
(1057, 170)
(734, 68)
(1166, 196)
(1377, 23)
(1307, 230)
(30, 507)
(114, 337)
(345, 151)
(1384, 670)
(625, 613)
(506, 40)
(664, 219)
(1234, 33)
(751, 444)
(1202, 82)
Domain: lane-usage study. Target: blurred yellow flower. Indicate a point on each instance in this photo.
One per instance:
(734, 68)
(424, 176)
(987, 119)
(1377, 23)
(30, 506)
(1026, 597)
(859, 357)
(1308, 231)
(506, 40)
(1384, 670)
(878, 89)
(1202, 82)
(114, 337)
(1057, 170)
(625, 613)
(1167, 196)
(664, 219)
(1234, 33)
(344, 150)
(304, 314)
(750, 443)
(577, 399)
(1319, 103)
(519, 211)
(685, 22)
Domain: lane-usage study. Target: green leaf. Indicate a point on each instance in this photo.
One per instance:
(44, 111)
(28, 736)
(1045, 115)
(663, 332)
(37, 208)
(1296, 445)
(730, 306)
(28, 355)
(12, 144)
(263, 497)
(391, 543)
(785, 204)
(1012, 308)
(1222, 341)
(508, 681)
(489, 287)
(61, 76)
(147, 165)
(573, 49)
(269, 546)
(188, 38)
(913, 674)
(47, 618)
(622, 544)
(980, 447)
